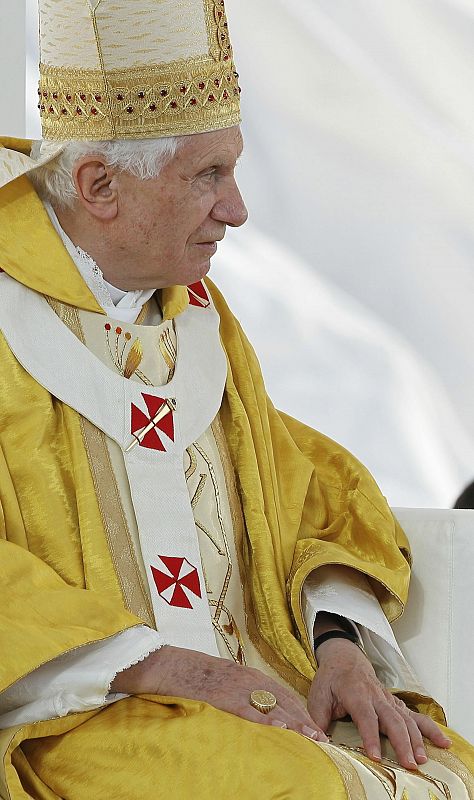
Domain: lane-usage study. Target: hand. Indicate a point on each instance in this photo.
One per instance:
(177, 672)
(346, 683)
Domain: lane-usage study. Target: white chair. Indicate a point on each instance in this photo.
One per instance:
(436, 633)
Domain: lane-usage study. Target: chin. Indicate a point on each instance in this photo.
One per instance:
(198, 273)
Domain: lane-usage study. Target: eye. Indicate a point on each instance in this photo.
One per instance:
(209, 173)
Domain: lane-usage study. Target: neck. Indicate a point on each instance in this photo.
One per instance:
(97, 240)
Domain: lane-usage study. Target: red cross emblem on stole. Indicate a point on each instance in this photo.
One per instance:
(179, 580)
(144, 427)
(198, 295)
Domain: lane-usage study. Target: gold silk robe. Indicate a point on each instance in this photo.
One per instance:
(306, 502)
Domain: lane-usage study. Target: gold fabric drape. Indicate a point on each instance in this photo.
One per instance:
(306, 502)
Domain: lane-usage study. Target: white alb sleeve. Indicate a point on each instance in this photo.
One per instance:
(77, 681)
(344, 591)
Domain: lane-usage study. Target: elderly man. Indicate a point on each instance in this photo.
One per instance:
(174, 551)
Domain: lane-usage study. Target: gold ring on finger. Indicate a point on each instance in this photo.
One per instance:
(263, 701)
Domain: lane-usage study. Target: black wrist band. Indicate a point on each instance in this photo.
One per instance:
(351, 637)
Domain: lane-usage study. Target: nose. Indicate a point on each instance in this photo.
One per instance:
(230, 207)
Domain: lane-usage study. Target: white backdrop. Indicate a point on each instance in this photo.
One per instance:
(354, 277)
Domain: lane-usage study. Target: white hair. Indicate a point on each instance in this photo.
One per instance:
(143, 158)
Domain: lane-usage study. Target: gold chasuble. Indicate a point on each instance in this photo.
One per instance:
(288, 501)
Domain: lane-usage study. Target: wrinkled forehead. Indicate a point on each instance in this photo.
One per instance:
(222, 148)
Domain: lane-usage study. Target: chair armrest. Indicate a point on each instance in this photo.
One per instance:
(436, 632)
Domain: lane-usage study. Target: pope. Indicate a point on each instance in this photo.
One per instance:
(196, 589)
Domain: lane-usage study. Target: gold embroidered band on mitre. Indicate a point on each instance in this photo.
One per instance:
(144, 100)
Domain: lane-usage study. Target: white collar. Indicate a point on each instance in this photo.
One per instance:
(120, 305)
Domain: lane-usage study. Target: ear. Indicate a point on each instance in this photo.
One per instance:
(97, 187)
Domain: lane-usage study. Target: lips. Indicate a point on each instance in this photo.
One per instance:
(211, 246)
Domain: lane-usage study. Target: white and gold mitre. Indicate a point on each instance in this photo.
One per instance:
(132, 69)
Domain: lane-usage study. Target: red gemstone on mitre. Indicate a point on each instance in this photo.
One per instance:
(107, 326)
(55, 95)
(83, 98)
(226, 95)
(202, 85)
(164, 92)
(211, 98)
(141, 95)
(94, 111)
(98, 98)
(183, 89)
(120, 97)
(68, 98)
(130, 110)
(193, 101)
(152, 107)
(174, 104)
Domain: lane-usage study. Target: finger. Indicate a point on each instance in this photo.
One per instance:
(367, 723)
(430, 730)
(311, 731)
(280, 718)
(394, 725)
(320, 707)
(416, 739)
(295, 707)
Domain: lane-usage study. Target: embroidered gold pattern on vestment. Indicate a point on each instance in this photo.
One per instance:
(169, 352)
(352, 783)
(227, 630)
(453, 763)
(391, 774)
(120, 342)
(281, 667)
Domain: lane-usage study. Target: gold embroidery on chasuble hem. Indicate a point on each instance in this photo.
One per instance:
(264, 657)
(434, 779)
(206, 487)
(350, 777)
(454, 764)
